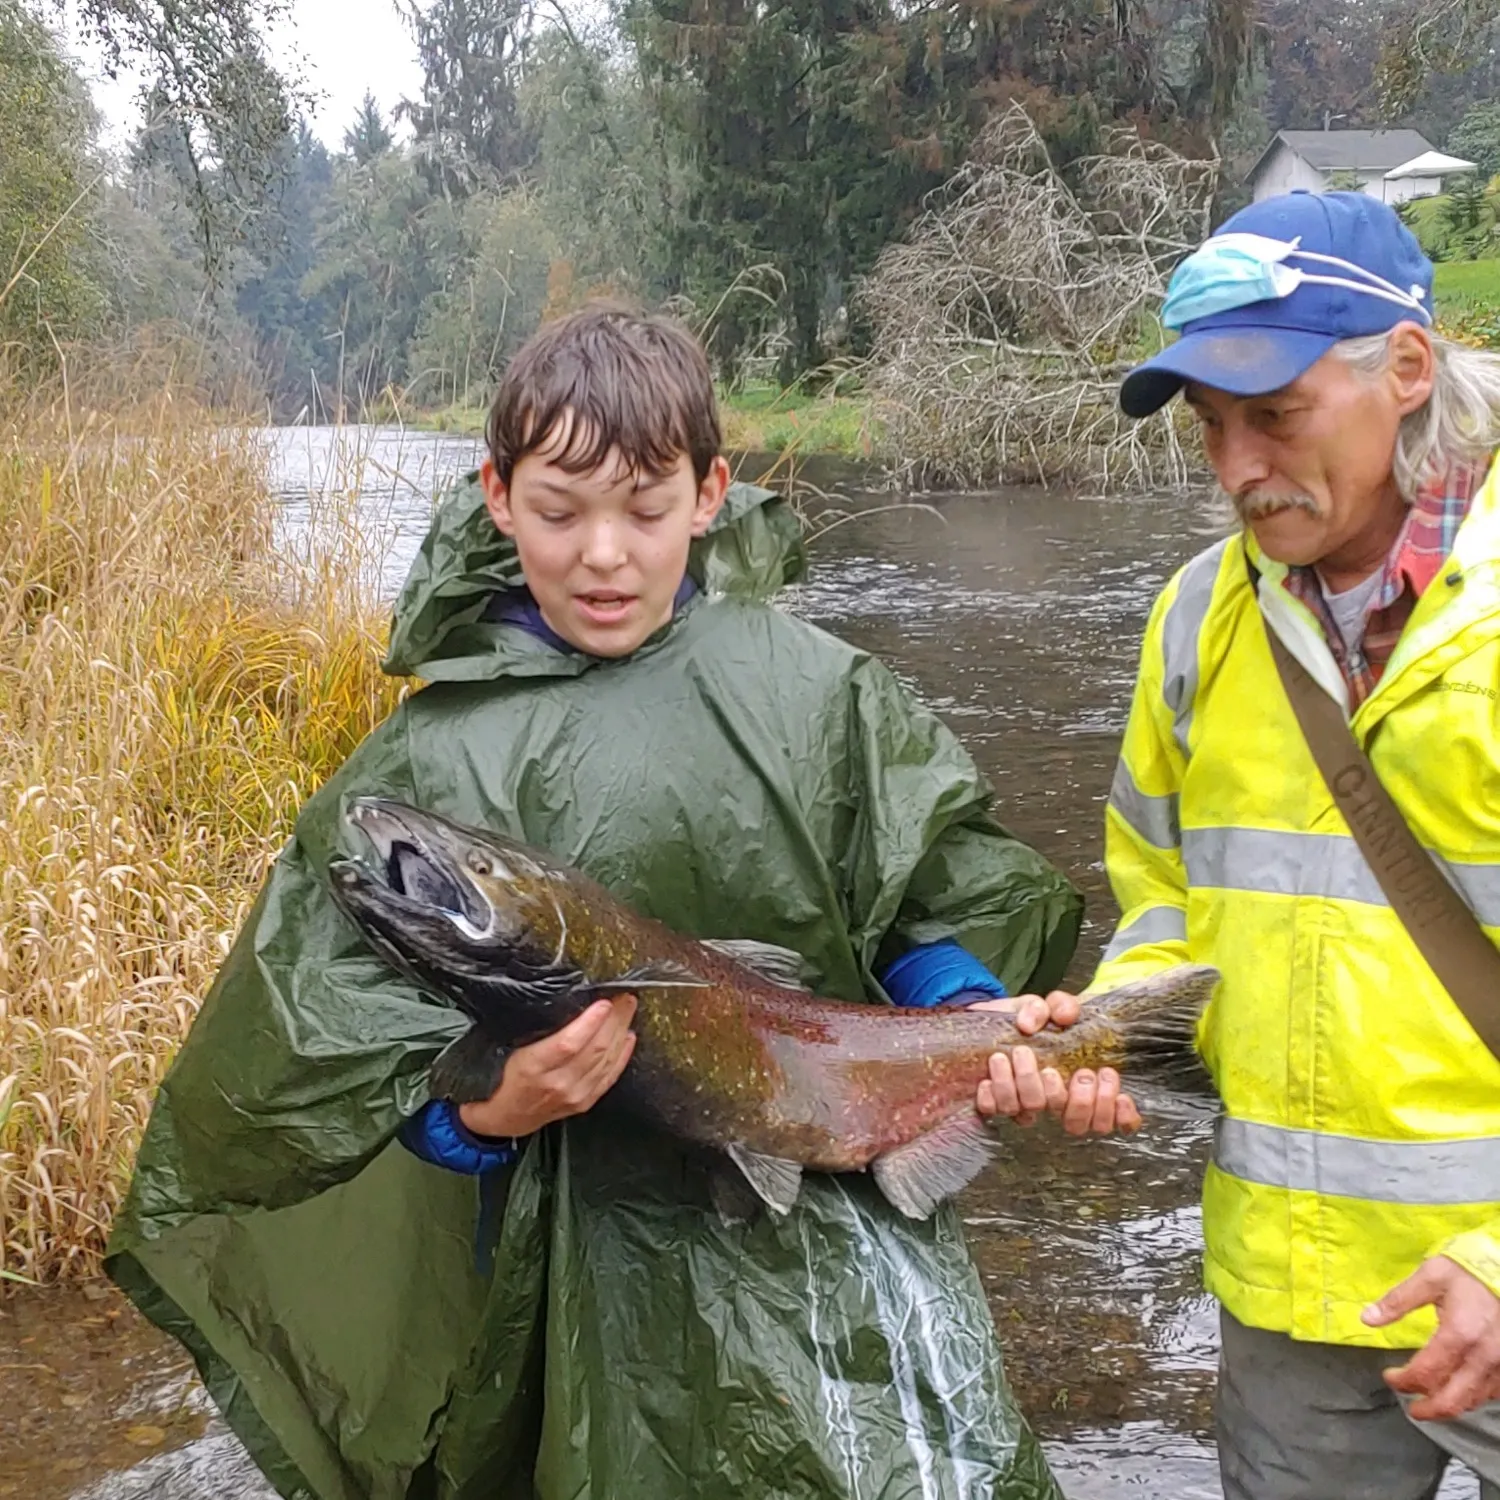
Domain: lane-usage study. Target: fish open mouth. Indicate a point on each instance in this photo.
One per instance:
(414, 866)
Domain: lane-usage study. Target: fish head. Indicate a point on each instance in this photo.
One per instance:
(446, 903)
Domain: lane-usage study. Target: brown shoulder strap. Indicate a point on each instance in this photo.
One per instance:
(1445, 930)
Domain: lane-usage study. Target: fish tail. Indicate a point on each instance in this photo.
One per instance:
(1155, 1021)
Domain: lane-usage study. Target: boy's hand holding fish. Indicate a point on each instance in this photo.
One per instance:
(564, 1074)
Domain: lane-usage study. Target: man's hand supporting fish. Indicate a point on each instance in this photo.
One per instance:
(1020, 1088)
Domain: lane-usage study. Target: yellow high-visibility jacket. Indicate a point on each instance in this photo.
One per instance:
(1361, 1124)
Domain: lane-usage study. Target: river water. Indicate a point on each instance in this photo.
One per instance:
(1016, 615)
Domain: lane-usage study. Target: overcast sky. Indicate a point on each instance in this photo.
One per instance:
(343, 47)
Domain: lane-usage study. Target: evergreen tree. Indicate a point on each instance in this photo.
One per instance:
(468, 130)
(385, 247)
(813, 127)
(294, 333)
(1477, 138)
(369, 135)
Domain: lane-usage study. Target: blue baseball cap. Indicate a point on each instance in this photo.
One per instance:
(1275, 288)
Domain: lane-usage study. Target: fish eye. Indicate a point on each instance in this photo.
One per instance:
(478, 863)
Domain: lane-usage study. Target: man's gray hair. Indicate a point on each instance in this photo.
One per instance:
(1460, 424)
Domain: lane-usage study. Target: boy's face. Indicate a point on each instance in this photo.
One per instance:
(604, 552)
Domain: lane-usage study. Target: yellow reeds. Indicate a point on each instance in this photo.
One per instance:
(172, 685)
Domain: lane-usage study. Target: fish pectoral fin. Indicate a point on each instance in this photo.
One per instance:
(735, 1201)
(661, 974)
(469, 1069)
(775, 1180)
(782, 966)
(918, 1176)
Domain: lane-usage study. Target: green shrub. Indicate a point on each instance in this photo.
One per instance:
(1427, 218)
(47, 283)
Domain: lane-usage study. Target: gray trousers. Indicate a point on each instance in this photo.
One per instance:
(1316, 1422)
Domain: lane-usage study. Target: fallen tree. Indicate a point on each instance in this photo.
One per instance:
(1005, 319)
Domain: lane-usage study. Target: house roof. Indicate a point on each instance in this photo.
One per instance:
(1349, 150)
(1430, 164)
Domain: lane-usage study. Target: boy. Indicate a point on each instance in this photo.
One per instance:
(564, 1315)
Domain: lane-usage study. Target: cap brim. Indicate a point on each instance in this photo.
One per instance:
(1241, 361)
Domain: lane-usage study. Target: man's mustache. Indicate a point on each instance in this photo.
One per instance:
(1258, 503)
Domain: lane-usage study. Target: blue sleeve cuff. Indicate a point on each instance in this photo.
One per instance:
(436, 1135)
(935, 973)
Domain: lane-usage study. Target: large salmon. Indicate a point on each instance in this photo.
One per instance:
(732, 1053)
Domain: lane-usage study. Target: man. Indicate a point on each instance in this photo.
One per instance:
(1352, 1209)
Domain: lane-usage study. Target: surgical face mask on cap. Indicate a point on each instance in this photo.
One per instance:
(1233, 270)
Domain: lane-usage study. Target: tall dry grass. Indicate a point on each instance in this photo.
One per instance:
(172, 684)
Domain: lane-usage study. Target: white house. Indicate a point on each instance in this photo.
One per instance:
(1392, 165)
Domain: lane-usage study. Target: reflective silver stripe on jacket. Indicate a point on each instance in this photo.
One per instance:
(1344, 1166)
(1154, 818)
(1179, 638)
(1281, 862)
(1157, 924)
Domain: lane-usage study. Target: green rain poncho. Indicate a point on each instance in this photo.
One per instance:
(582, 1326)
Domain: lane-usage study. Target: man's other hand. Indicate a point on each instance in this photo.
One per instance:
(1459, 1369)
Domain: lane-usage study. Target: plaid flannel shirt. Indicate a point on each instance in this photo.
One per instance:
(1416, 558)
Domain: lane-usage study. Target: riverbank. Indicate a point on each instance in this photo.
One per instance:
(759, 418)
(175, 676)
(783, 424)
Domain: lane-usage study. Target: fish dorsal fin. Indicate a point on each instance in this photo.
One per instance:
(660, 974)
(775, 1179)
(918, 1176)
(534, 982)
(782, 966)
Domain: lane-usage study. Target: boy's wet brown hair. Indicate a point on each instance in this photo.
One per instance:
(640, 383)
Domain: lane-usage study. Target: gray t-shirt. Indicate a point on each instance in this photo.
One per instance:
(1349, 610)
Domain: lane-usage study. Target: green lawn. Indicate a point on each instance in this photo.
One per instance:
(1467, 281)
(764, 418)
(1467, 297)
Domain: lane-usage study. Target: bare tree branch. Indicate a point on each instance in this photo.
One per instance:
(1004, 320)
(1432, 36)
